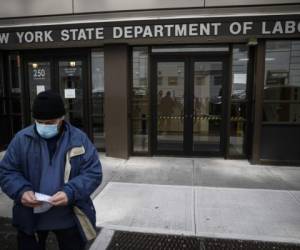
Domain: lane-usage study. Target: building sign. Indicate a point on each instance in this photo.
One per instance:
(232, 27)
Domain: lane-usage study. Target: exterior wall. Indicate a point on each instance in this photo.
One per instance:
(29, 8)
(217, 3)
(22, 8)
(116, 100)
(80, 6)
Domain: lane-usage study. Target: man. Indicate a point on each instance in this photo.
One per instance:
(56, 159)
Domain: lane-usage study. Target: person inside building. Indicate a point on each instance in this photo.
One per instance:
(50, 169)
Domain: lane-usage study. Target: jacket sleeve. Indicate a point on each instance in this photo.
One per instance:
(12, 180)
(89, 177)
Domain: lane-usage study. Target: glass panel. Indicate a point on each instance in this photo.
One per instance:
(238, 99)
(98, 98)
(17, 123)
(208, 81)
(39, 78)
(140, 100)
(282, 81)
(170, 106)
(70, 82)
(15, 89)
(282, 112)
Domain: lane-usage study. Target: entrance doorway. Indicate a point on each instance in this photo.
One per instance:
(66, 74)
(190, 104)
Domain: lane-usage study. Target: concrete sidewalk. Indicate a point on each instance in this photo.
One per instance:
(207, 197)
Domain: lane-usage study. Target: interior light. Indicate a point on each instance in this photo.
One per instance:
(34, 65)
(72, 63)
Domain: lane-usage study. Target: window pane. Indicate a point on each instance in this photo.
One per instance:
(282, 67)
(98, 98)
(282, 81)
(140, 99)
(282, 112)
(238, 99)
(15, 90)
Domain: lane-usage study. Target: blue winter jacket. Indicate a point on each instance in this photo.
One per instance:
(20, 172)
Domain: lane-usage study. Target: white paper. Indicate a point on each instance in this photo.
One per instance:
(46, 205)
(42, 197)
(240, 78)
(40, 88)
(70, 93)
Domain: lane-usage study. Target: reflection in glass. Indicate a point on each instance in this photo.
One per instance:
(140, 99)
(71, 89)
(282, 82)
(208, 82)
(238, 99)
(282, 112)
(170, 106)
(98, 98)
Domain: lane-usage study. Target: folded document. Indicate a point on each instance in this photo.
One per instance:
(46, 205)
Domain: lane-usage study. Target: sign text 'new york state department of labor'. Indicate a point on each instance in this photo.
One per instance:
(195, 29)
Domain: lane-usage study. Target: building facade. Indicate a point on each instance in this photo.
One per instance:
(196, 78)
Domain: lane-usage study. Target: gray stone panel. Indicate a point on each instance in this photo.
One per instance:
(20, 8)
(213, 3)
(81, 6)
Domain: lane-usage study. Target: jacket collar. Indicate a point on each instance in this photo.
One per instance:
(69, 129)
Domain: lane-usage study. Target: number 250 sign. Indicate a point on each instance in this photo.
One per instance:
(39, 73)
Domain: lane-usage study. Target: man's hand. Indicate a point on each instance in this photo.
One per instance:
(59, 199)
(28, 199)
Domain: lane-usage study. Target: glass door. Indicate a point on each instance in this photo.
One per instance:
(208, 105)
(170, 106)
(65, 75)
(71, 89)
(189, 108)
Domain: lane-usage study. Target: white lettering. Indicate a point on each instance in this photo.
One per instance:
(20, 36)
(64, 35)
(99, 33)
(29, 37)
(277, 28)
(38, 36)
(117, 32)
(193, 29)
(247, 26)
(235, 28)
(138, 30)
(264, 28)
(216, 28)
(147, 32)
(48, 37)
(128, 32)
(169, 27)
(180, 30)
(90, 33)
(290, 27)
(204, 29)
(158, 29)
(73, 33)
(81, 35)
(4, 38)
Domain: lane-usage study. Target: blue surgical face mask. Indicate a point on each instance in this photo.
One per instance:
(47, 130)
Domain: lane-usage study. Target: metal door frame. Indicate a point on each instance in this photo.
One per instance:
(189, 60)
(54, 56)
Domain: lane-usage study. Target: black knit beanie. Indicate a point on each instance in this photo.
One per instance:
(48, 105)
